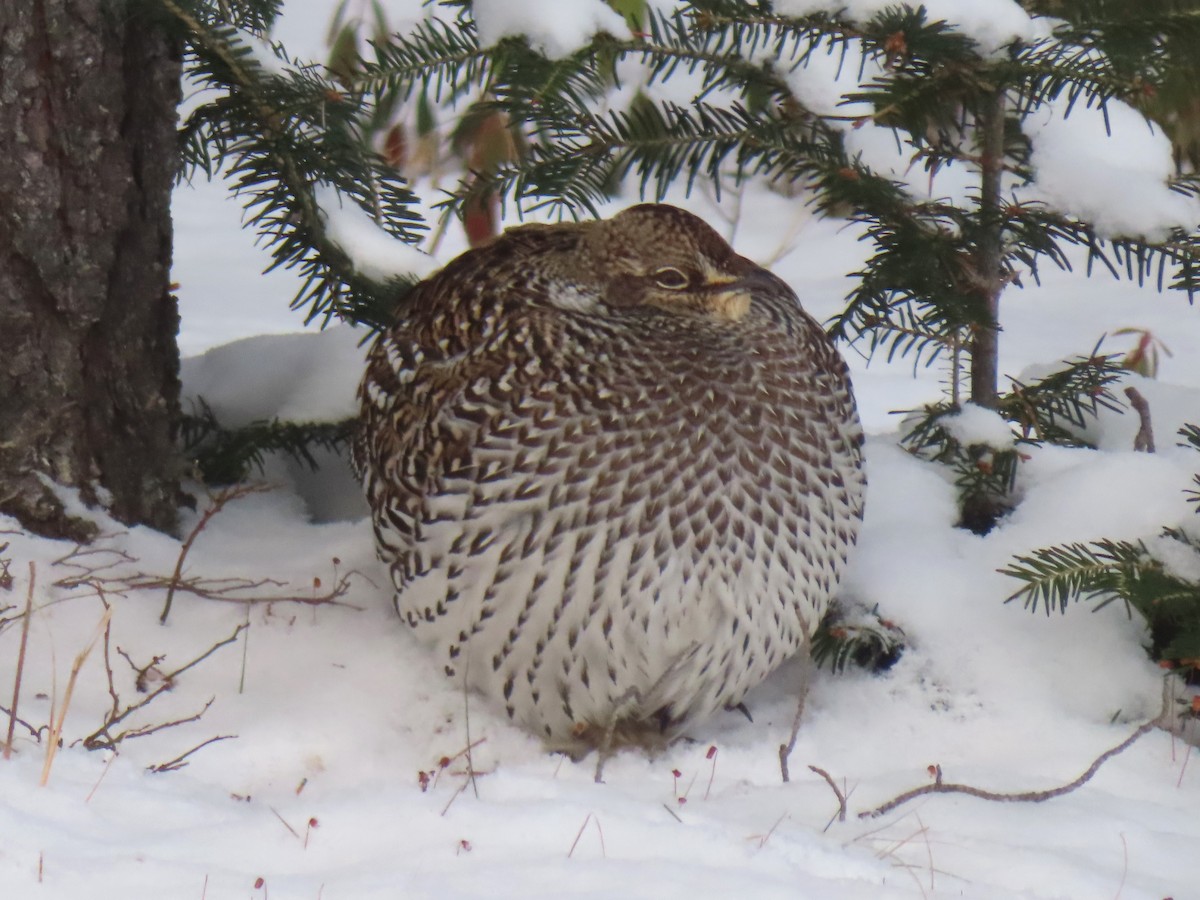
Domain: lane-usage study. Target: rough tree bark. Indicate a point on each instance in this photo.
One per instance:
(89, 366)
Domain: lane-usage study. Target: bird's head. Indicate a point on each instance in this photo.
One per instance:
(662, 256)
(650, 255)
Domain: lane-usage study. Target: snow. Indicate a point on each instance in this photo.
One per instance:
(993, 24)
(1178, 559)
(375, 253)
(555, 29)
(975, 425)
(337, 710)
(306, 377)
(1116, 180)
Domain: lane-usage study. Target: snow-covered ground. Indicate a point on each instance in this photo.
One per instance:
(342, 771)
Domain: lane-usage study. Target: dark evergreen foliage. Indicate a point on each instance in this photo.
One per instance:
(1148, 579)
(280, 132)
(229, 455)
(935, 269)
(924, 286)
(1053, 409)
(861, 637)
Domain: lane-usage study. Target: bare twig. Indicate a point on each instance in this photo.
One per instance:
(91, 561)
(12, 713)
(179, 762)
(1143, 441)
(222, 590)
(841, 798)
(806, 670)
(103, 739)
(108, 673)
(35, 733)
(142, 673)
(942, 787)
(219, 502)
(109, 571)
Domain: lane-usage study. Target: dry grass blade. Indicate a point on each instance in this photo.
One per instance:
(599, 831)
(56, 726)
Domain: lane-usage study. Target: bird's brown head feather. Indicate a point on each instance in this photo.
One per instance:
(651, 255)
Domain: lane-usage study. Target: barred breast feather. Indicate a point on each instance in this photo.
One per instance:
(615, 470)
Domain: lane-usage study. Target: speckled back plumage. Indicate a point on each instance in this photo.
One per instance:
(615, 470)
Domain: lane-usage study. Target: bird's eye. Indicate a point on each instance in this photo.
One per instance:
(670, 278)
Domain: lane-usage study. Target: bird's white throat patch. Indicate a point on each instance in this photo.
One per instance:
(571, 298)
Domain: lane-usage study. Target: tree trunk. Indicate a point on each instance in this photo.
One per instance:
(985, 339)
(89, 366)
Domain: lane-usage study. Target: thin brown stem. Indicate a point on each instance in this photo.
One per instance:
(1143, 441)
(219, 502)
(806, 671)
(942, 787)
(12, 713)
(841, 798)
(103, 738)
(179, 762)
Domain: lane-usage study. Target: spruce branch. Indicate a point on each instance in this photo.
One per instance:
(278, 136)
(659, 144)
(443, 58)
(227, 455)
(1191, 438)
(1054, 576)
(1071, 396)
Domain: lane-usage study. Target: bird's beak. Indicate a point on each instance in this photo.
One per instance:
(730, 299)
